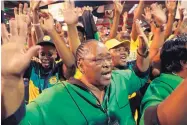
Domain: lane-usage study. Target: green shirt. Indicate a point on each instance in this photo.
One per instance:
(70, 104)
(158, 90)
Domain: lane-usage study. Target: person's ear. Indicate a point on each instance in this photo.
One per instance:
(80, 65)
(183, 64)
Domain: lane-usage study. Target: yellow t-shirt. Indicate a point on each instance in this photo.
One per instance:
(133, 49)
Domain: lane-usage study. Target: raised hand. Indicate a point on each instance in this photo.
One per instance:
(79, 11)
(143, 45)
(159, 14)
(70, 14)
(14, 59)
(5, 34)
(22, 14)
(183, 27)
(47, 23)
(174, 26)
(34, 4)
(58, 27)
(118, 6)
(14, 62)
(147, 15)
(125, 17)
(181, 13)
(171, 5)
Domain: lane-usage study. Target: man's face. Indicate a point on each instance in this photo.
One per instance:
(47, 56)
(97, 64)
(119, 55)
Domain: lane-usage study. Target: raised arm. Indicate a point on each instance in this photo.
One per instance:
(66, 55)
(171, 7)
(125, 18)
(181, 12)
(149, 18)
(137, 14)
(71, 19)
(143, 60)
(158, 23)
(118, 10)
(38, 30)
(14, 63)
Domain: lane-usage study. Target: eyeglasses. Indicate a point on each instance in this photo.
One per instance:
(100, 60)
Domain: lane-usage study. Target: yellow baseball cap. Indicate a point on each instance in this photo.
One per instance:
(114, 42)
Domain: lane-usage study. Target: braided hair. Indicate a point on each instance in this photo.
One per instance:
(81, 50)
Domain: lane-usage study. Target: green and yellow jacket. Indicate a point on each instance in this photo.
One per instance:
(71, 103)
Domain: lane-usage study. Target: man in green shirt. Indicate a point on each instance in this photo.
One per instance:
(164, 101)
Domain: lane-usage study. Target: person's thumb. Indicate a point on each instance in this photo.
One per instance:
(32, 51)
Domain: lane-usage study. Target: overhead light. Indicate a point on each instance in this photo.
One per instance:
(5, 14)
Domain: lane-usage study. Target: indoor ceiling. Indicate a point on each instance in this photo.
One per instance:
(9, 5)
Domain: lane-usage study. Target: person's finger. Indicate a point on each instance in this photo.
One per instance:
(20, 9)
(15, 12)
(145, 10)
(4, 34)
(72, 4)
(67, 4)
(23, 29)
(144, 16)
(28, 56)
(153, 6)
(13, 27)
(31, 4)
(164, 10)
(123, 3)
(41, 20)
(25, 8)
(160, 6)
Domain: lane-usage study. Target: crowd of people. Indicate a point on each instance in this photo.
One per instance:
(81, 76)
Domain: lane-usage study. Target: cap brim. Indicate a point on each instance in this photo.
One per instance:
(114, 43)
(45, 43)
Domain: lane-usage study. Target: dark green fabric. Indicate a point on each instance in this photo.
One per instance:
(68, 104)
(158, 90)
